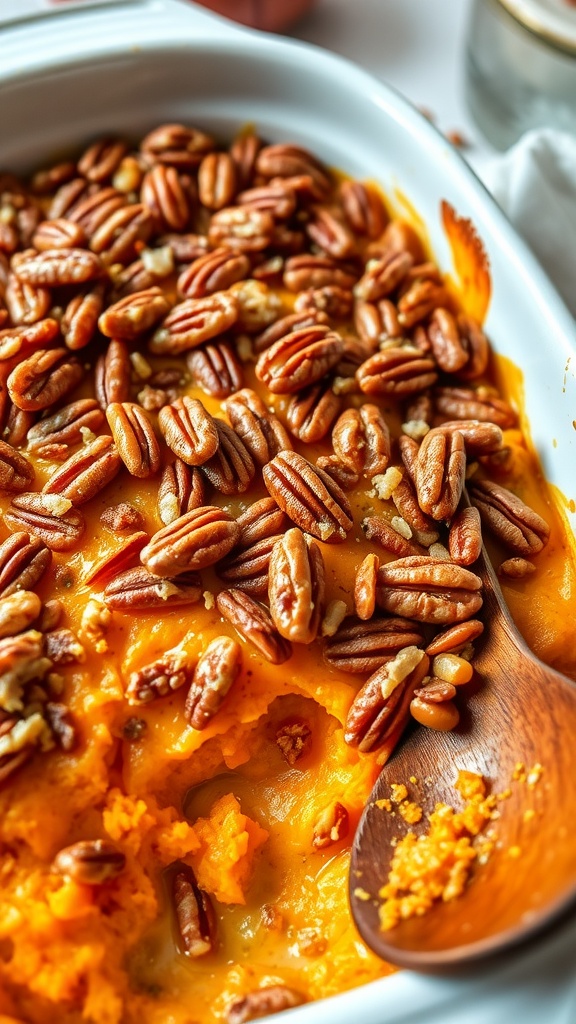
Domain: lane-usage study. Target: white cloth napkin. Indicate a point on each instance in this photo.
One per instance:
(535, 184)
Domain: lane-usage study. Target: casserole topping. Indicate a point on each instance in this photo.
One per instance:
(238, 405)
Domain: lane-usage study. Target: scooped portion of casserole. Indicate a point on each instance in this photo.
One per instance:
(239, 403)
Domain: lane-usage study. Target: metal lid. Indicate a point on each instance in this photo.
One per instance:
(552, 20)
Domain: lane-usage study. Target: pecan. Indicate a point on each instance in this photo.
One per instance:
(435, 691)
(283, 160)
(18, 611)
(309, 497)
(328, 229)
(335, 302)
(176, 145)
(278, 198)
(194, 914)
(84, 204)
(61, 723)
(160, 677)
(218, 668)
(262, 519)
(23, 562)
(16, 473)
(90, 862)
(135, 438)
(465, 536)
(101, 159)
(342, 474)
(311, 271)
(197, 539)
(475, 342)
(299, 359)
(470, 404)
(424, 528)
(312, 411)
(121, 235)
(261, 432)
(55, 267)
(139, 590)
(380, 530)
(258, 305)
(14, 339)
(254, 624)
(120, 559)
(287, 325)
(181, 490)
(509, 518)
(365, 587)
(331, 826)
(63, 647)
(428, 590)
(455, 638)
(516, 568)
(421, 298)
(376, 322)
(480, 438)
(135, 277)
(58, 234)
(112, 375)
(364, 208)
(241, 228)
(217, 180)
(122, 517)
(134, 314)
(87, 472)
(166, 193)
(397, 372)
(293, 739)
(189, 430)
(50, 616)
(263, 1002)
(409, 454)
(231, 469)
(194, 321)
(43, 378)
(11, 762)
(449, 352)
(440, 473)
(26, 303)
(50, 517)
(216, 368)
(248, 570)
(360, 647)
(296, 587)
(361, 439)
(78, 325)
(22, 659)
(380, 710)
(67, 426)
(382, 276)
(244, 150)
(213, 272)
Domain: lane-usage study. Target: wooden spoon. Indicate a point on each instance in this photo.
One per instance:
(522, 711)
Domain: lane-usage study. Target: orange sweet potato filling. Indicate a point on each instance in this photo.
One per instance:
(224, 800)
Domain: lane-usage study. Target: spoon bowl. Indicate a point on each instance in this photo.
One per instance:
(520, 711)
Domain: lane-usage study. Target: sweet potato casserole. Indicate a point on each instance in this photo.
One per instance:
(239, 403)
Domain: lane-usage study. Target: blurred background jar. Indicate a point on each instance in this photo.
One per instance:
(521, 67)
(270, 15)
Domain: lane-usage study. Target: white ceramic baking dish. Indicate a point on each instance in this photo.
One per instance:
(67, 75)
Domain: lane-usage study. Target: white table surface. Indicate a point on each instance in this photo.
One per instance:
(417, 46)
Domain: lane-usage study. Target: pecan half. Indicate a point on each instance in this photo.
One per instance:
(23, 562)
(465, 536)
(382, 276)
(194, 321)
(90, 862)
(361, 439)
(309, 496)
(364, 208)
(360, 647)
(121, 558)
(216, 180)
(160, 677)
(248, 569)
(87, 472)
(378, 529)
(78, 325)
(381, 709)
(55, 267)
(262, 1003)
(101, 159)
(120, 236)
(231, 469)
(50, 517)
(296, 587)
(455, 638)
(312, 411)
(480, 437)
(14, 339)
(331, 826)
(16, 473)
(44, 378)
(139, 590)
(376, 322)
(134, 314)
(121, 518)
(218, 668)
(475, 342)
(67, 426)
(253, 623)
(112, 375)
(287, 325)
(194, 914)
(262, 519)
(176, 145)
(189, 430)
(241, 228)
(216, 368)
(197, 539)
(428, 590)
(63, 647)
(166, 193)
(365, 587)
(449, 352)
(329, 230)
(25, 303)
(59, 233)
(182, 489)
(509, 518)
(135, 438)
(262, 433)
(284, 160)
(440, 473)
(299, 359)
(474, 404)
(18, 611)
(397, 372)
(424, 528)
